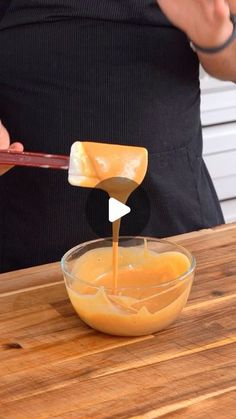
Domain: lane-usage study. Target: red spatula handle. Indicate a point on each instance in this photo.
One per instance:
(46, 161)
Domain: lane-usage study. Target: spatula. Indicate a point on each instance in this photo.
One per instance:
(46, 161)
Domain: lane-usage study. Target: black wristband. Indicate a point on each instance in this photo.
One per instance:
(198, 48)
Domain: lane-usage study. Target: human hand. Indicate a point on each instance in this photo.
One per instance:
(5, 145)
(206, 22)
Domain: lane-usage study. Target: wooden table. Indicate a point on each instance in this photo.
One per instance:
(52, 365)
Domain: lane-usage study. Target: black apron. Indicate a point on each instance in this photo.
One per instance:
(115, 71)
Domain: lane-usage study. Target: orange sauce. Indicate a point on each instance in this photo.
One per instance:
(114, 168)
(147, 299)
(124, 291)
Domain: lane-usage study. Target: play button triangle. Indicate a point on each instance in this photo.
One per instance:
(117, 210)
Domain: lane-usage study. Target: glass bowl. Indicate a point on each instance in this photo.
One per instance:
(150, 293)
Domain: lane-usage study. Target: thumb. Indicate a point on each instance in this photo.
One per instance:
(4, 137)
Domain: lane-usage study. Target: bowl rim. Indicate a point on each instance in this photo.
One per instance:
(181, 277)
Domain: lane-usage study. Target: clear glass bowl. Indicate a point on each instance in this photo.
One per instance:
(138, 308)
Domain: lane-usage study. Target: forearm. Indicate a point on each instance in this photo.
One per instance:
(221, 65)
(208, 24)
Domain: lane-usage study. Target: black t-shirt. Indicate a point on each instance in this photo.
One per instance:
(115, 71)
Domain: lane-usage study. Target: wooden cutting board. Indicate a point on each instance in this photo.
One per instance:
(53, 365)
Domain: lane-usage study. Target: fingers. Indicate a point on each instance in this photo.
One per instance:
(16, 147)
(4, 137)
(4, 169)
(5, 144)
(5, 140)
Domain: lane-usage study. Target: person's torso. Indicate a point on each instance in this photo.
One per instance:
(135, 11)
(111, 71)
(125, 73)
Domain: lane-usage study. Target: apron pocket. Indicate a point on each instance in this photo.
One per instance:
(172, 189)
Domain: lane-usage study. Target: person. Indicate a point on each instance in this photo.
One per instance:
(114, 71)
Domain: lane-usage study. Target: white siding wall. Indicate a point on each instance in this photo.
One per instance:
(218, 110)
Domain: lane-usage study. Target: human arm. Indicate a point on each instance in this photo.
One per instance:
(207, 23)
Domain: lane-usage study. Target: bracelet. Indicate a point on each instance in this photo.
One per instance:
(197, 48)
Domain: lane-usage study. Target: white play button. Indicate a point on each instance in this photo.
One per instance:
(117, 210)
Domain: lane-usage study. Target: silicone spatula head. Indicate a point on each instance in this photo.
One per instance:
(92, 163)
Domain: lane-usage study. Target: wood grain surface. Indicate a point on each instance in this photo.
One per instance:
(53, 366)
